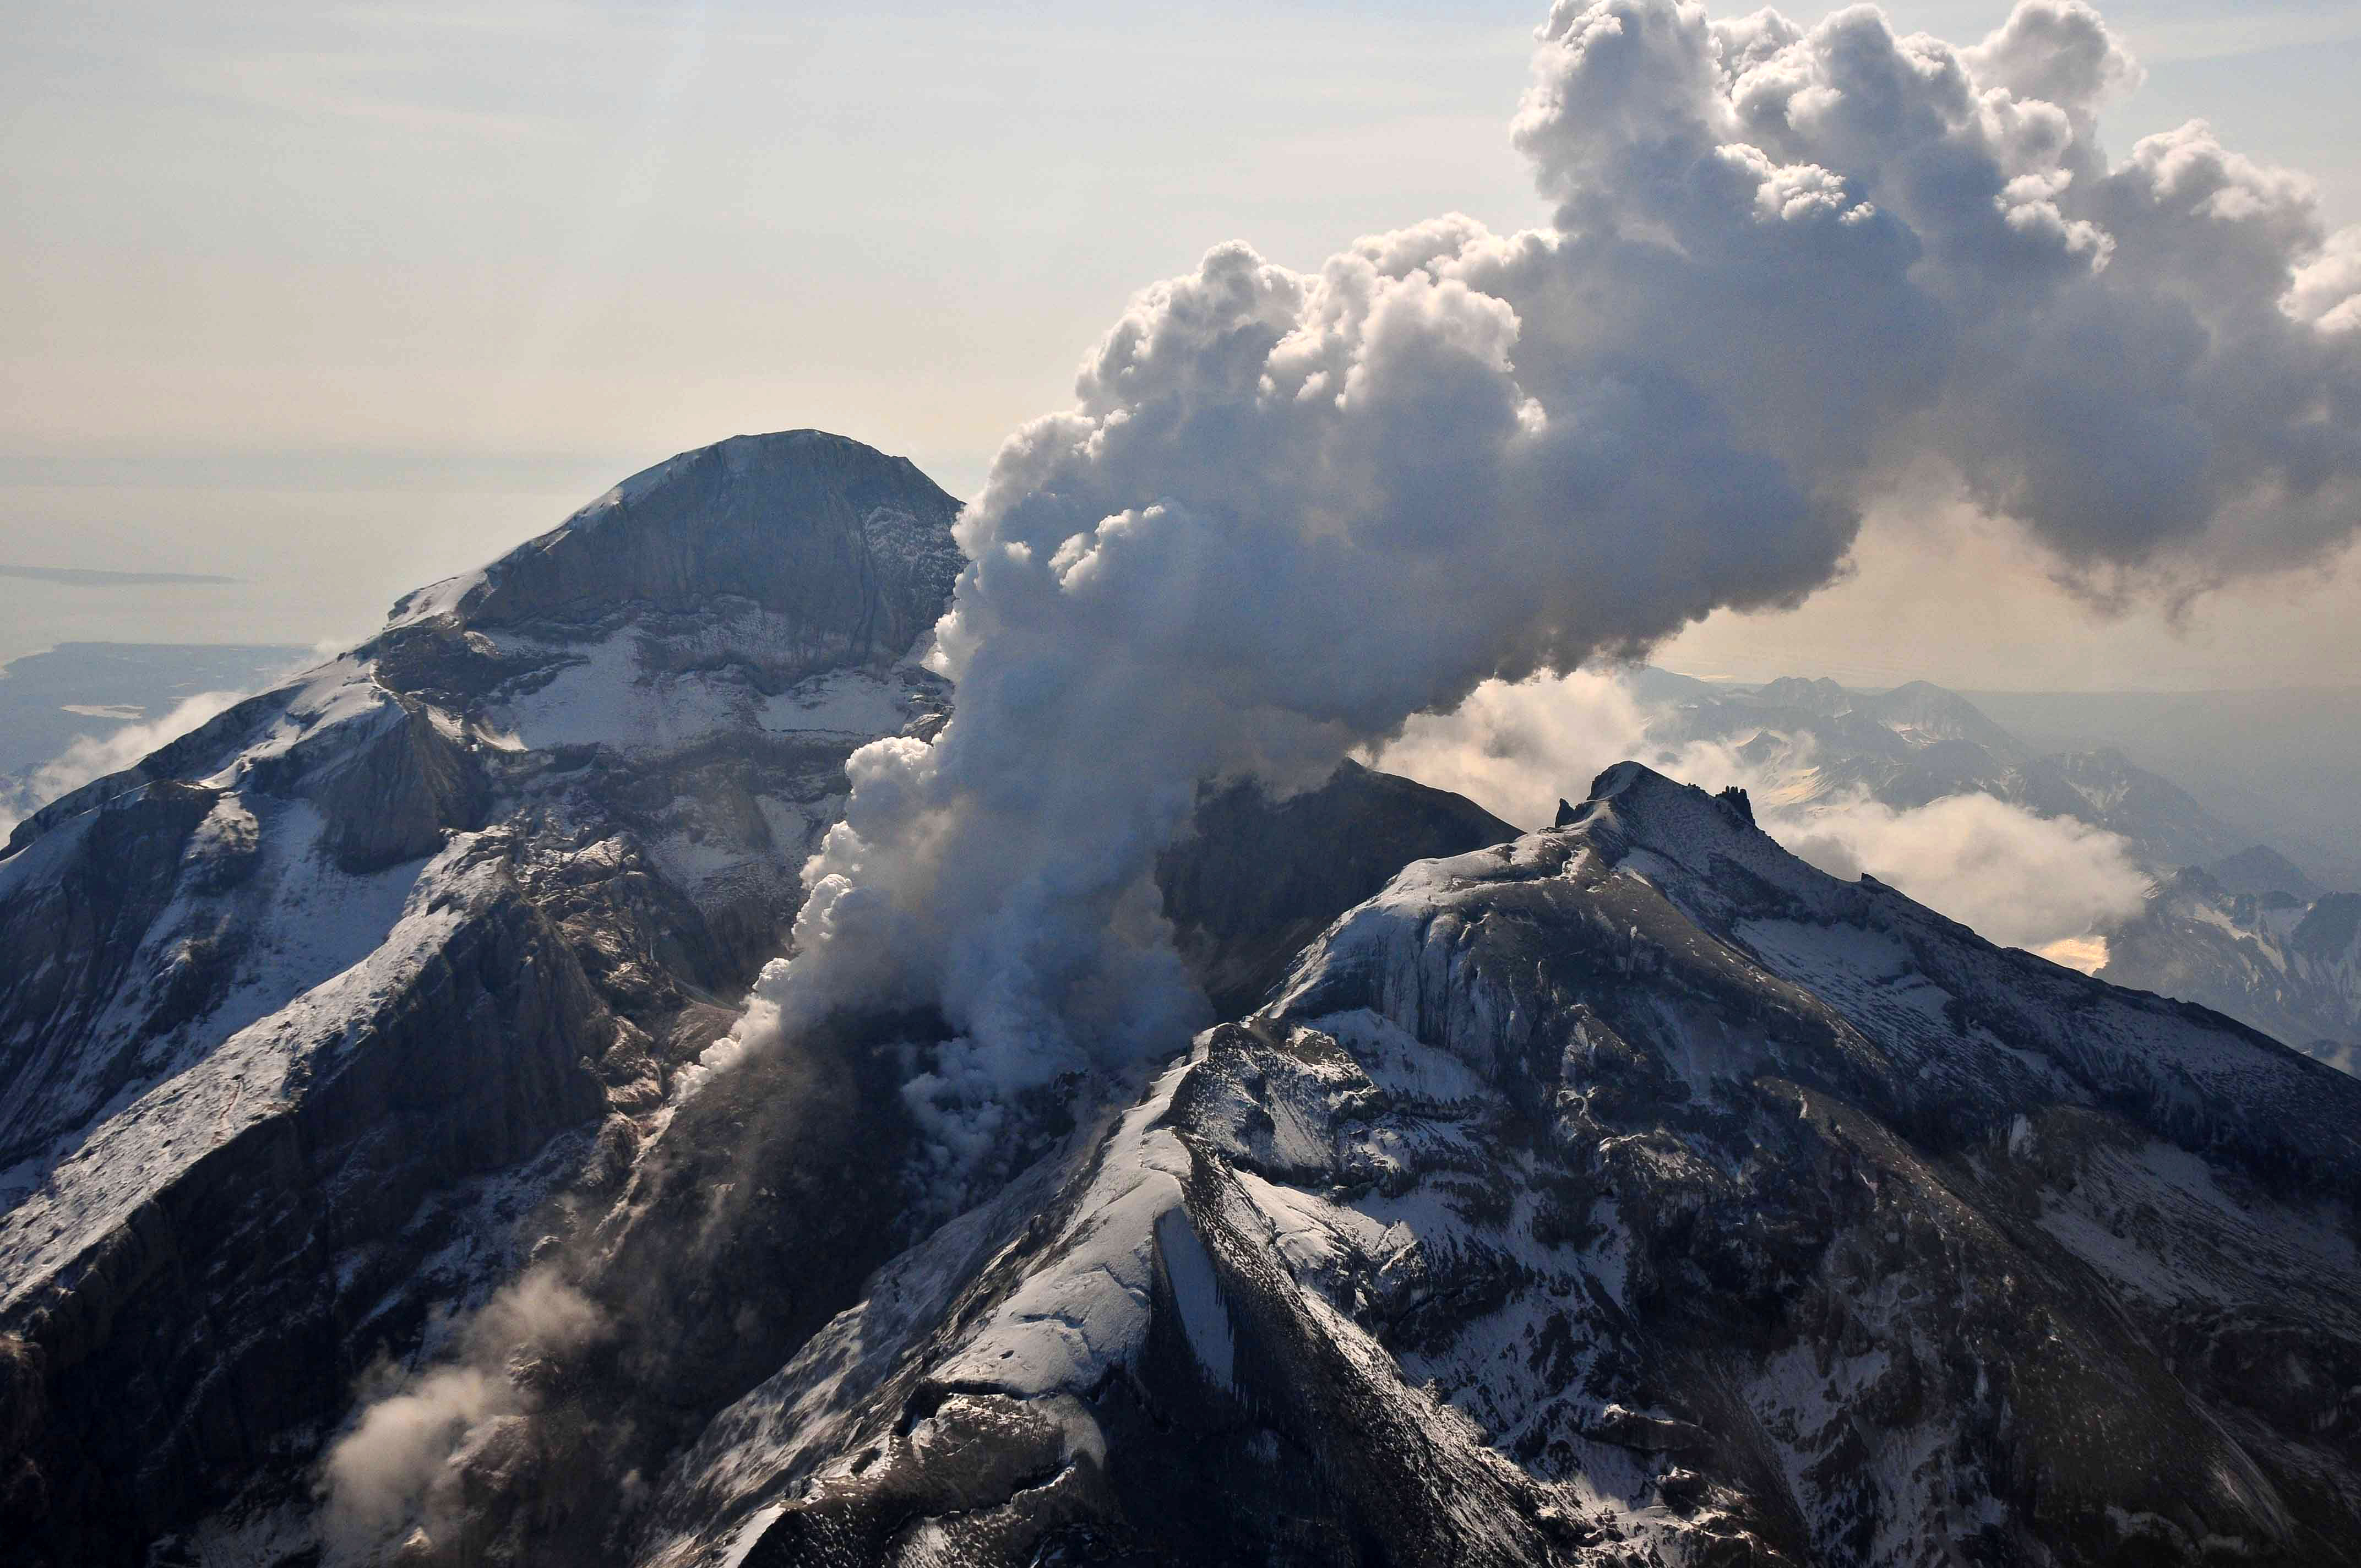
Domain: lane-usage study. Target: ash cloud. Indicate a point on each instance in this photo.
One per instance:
(1290, 510)
(400, 1476)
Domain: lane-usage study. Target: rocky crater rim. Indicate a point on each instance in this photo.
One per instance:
(702, 525)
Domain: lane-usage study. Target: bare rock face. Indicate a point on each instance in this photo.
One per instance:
(314, 1021)
(1257, 879)
(1628, 1194)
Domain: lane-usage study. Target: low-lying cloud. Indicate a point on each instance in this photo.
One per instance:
(90, 757)
(2018, 878)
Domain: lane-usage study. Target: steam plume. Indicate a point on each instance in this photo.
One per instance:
(1290, 510)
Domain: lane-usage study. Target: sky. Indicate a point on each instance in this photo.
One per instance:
(339, 300)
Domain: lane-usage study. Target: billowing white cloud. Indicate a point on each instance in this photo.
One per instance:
(1290, 510)
(2016, 879)
(1517, 747)
(2327, 289)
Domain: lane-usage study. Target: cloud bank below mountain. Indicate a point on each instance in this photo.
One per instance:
(2018, 878)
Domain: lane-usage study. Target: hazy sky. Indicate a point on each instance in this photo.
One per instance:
(341, 299)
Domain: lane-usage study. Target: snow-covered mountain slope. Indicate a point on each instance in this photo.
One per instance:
(2287, 967)
(306, 1015)
(1628, 1194)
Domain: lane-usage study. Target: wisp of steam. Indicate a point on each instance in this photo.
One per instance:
(1290, 510)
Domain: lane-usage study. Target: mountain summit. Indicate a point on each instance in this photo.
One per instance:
(305, 1015)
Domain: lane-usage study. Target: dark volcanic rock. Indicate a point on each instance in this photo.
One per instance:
(1628, 1194)
(1256, 879)
(315, 1023)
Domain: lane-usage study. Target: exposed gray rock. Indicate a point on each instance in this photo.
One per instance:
(320, 1019)
(1630, 1193)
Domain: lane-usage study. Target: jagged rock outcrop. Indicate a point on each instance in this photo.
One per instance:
(1257, 879)
(1629, 1193)
(312, 1023)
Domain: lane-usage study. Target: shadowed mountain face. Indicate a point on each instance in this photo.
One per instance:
(317, 1019)
(1257, 880)
(1625, 1193)
(2262, 871)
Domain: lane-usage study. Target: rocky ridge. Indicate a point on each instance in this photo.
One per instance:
(311, 1023)
(1627, 1193)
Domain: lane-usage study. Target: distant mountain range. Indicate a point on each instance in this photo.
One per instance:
(2231, 923)
(2282, 762)
(1919, 742)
